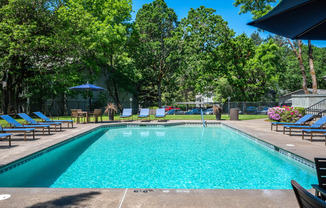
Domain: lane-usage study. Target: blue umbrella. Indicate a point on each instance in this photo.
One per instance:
(87, 87)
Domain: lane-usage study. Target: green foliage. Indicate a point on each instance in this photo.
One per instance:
(257, 8)
(154, 50)
(291, 56)
(256, 38)
(30, 47)
(249, 70)
(200, 34)
(289, 78)
(47, 46)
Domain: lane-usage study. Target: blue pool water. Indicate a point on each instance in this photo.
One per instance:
(187, 157)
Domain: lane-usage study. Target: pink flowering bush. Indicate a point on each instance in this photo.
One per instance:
(285, 113)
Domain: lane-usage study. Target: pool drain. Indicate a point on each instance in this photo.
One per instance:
(4, 196)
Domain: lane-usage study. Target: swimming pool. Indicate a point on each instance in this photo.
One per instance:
(180, 157)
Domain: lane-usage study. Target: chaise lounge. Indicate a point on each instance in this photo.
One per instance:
(126, 113)
(313, 131)
(5, 136)
(144, 113)
(16, 124)
(18, 130)
(160, 113)
(301, 121)
(46, 119)
(317, 125)
(31, 121)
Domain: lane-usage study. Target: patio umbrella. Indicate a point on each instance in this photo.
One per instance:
(87, 87)
(296, 19)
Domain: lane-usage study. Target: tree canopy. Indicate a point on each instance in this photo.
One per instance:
(47, 46)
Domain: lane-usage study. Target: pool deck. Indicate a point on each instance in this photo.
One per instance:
(54, 197)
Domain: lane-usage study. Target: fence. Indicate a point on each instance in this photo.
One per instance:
(249, 107)
(244, 107)
(56, 108)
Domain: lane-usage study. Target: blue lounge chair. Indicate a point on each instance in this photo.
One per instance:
(5, 136)
(160, 113)
(317, 125)
(46, 119)
(301, 121)
(18, 130)
(31, 121)
(313, 131)
(16, 124)
(126, 113)
(144, 113)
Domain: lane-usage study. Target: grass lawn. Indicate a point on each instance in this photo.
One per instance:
(212, 117)
(168, 117)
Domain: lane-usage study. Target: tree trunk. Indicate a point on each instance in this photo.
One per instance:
(109, 79)
(299, 56)
(312, 69)
(5, 101)
(65, 104)
(159, 102)
(116, 98)
(12, 101)
(111, 115)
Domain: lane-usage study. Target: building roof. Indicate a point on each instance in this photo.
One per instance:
(319, 91)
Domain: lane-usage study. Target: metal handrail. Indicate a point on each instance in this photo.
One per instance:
(317, 108)
(202, 117)
(316, 104)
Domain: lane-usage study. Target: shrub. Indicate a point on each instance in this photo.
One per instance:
(285, 113)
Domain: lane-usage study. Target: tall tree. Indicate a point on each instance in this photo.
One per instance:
(261, 7)
(105, 53)
(54, 44)
(30, 45)
(154, 49)
(200, 34)
(249, 69)
(256, 38)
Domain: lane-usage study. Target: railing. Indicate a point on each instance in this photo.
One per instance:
(202, 117)
(317, 109)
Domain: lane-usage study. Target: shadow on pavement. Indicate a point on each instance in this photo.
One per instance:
(67, 201)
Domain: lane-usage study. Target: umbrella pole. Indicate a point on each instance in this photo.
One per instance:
(87, 106)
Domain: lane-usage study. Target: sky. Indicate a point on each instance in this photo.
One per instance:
(224, 8)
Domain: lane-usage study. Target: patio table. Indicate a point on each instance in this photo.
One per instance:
(87, 113)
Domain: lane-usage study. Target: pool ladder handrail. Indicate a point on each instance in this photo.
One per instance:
(202, 118)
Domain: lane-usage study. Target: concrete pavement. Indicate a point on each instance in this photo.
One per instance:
(53, 197)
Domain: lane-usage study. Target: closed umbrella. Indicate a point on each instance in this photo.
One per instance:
(296, 19)
(87, 87)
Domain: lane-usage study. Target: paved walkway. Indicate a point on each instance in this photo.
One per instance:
(261, 129)
(47, 197)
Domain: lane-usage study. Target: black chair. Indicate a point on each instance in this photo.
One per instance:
(320, 189)
(306, 199)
